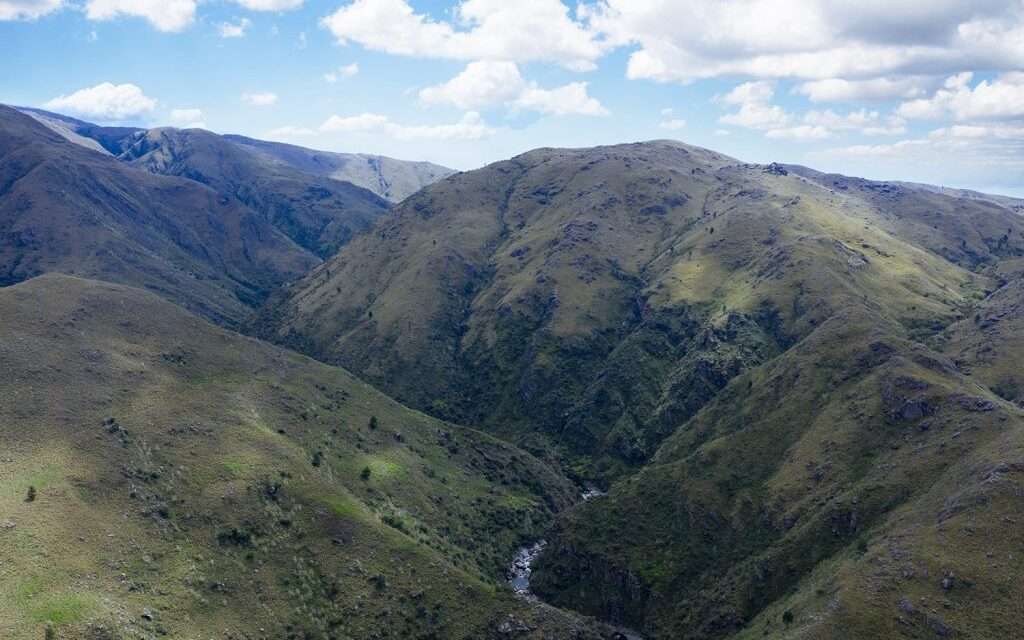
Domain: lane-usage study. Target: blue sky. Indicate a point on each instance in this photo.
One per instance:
(928, 91)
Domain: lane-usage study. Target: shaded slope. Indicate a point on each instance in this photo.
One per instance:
(602, 296)
(67, 208)
(840, 484)
(318, 213)
(391, 179)
(190, 482)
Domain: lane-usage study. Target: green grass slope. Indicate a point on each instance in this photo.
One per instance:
(189, 482)
(829, 493)
(593, 300)
(318, 213)
(74, 210)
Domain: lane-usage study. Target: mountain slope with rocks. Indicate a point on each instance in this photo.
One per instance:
(799, 387)
(162, 477)
(67, 208)
(394, 180)
(319, 214)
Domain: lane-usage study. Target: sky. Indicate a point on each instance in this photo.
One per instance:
(929, 91)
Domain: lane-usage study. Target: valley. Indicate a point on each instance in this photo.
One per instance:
(254, 391)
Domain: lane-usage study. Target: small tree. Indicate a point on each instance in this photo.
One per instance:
(373, 423)
(365, 473)
(31, 495)
(49, 633)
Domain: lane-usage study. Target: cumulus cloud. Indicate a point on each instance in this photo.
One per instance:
(810, 39)
(188, 118)
(470, 127)
(522, 31)
(755, 108)
(1001, 98)
(800, 132)
(263, 99)
(987, 158)
(842, 90)
(346, 71)
(27, 9)
(756, 111)
(164, 15)
(270, 5)
(106, 101)
(234, 30)
(288, 133)
(489, 82)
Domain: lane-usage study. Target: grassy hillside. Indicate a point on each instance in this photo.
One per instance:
(189, 482)
(800, 386)
(70, 209)
(857, 486)
(318, 213)
(601, 296)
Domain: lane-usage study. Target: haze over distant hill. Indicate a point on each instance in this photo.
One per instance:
(235, 225)
(68, 208)
(394, 180)
(391, 179)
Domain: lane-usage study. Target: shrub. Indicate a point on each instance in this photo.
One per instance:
(373, 423)
(365, 473)
(31, 495)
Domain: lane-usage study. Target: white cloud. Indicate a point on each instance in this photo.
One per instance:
(270, 5)
(288, 133)
(482, 83)
(568, 99)
(488, 82)
(1002, 98)
(264, 99)
(346, 71)
(800, 132)
(165, 15)
(810, 39)
(755, 108)
(522, 31)
(470, 127)
(756, 111)
(867, 122)
(188, 118)
(675, 124)
(27, 9)
(235, 30)
(106, 101)
(840, 90)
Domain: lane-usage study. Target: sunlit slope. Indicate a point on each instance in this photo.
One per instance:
(594, 299)
(190, 482)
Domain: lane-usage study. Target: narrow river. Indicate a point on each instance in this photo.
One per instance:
(522, 563)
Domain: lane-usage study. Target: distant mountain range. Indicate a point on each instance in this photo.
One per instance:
(393, 180)
(205, 220)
